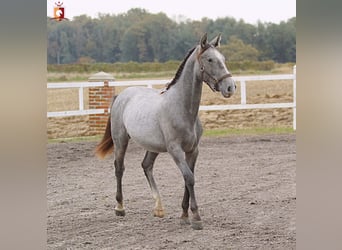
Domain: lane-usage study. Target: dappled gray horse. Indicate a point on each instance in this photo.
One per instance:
(167, 121)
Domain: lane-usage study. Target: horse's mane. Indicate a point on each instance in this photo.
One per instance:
(180, 69)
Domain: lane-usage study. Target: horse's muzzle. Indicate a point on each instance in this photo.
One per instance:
(228, 87)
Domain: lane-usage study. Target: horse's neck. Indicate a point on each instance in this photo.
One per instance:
(188, 89)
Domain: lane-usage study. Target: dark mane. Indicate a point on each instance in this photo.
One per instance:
(180, 69)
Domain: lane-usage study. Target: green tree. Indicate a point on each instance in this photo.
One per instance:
(140, 36)
(133, 45)
(53, 47)
(158, 36)
(237, 50)
(277, 41)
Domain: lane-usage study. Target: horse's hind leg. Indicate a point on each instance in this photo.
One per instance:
(120, 150)
(147, 165)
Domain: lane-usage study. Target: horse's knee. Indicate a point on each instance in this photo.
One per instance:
(189, 179)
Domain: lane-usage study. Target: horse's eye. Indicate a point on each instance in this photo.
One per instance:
(210, 60)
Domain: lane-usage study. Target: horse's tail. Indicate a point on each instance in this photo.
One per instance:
(106, 145)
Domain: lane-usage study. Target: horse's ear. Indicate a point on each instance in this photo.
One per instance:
(216, 41)
(204, 41)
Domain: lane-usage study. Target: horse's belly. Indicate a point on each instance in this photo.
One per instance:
(150, 145)
(143, 127)
(150, 140)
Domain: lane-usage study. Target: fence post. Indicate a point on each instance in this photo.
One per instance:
(100, 98)
(243, 92)
(80, 99)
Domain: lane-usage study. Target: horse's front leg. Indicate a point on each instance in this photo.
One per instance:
(191, 158)
(178, 156)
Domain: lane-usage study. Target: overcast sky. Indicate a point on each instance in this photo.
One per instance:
(249, 10)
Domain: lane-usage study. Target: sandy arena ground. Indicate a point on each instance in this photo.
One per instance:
(245, 187)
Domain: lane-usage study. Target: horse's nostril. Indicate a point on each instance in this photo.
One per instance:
(229, 89)
(235, 86)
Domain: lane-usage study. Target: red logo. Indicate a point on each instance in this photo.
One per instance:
(59, 12)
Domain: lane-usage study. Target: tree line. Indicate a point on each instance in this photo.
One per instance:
(140, 36)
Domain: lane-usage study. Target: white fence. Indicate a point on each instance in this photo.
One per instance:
(150, 83)
(80, 86)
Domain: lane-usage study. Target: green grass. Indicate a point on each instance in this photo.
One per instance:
(207, 133)
(76, 77)
(246, 131)
(56, 74)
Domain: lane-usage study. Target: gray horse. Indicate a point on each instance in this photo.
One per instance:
(167, 121)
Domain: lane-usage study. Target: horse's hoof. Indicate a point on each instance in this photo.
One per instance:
(184, 221)
(120, 212)
(159, 213)
(196, 224)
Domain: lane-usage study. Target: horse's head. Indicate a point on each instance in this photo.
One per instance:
(213, 68)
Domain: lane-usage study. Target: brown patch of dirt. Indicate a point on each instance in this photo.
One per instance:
(245, 187)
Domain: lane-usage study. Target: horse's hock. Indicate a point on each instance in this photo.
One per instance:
(100, 98)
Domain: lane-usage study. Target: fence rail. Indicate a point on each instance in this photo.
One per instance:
(151, 83)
